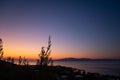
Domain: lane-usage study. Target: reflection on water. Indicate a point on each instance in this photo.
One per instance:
(103, 67)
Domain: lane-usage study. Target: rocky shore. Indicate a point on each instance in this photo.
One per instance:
(9, 71)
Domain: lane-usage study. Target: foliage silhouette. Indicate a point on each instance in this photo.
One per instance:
(20, 60)
(1, 49)
(44, 58)
(25, 61)
(12, 60)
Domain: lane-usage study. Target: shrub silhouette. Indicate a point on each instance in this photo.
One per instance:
(20, 60)
(1, 49)
(25, 61)
(44, 55)
(38, 62)
(12, 60)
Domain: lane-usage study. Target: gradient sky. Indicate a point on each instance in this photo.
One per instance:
(78, 28)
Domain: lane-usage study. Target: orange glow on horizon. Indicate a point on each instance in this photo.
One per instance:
(55, 55)
(31, 51)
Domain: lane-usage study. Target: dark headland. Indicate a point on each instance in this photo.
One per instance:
(9, 71)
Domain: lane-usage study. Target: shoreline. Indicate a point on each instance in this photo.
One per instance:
(9, 71)
(33, 63)
(69, 73)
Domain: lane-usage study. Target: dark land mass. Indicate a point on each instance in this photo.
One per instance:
(85, 59)
(9, 71)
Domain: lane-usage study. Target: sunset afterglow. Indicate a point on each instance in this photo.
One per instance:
(78, 29)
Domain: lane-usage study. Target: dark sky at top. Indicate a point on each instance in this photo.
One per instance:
(79, 26)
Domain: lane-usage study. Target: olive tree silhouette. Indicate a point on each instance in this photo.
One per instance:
(44, 55)
(1, 49)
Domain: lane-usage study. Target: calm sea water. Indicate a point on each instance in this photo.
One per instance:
(102, 67)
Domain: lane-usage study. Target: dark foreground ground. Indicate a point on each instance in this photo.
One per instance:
(9, 71)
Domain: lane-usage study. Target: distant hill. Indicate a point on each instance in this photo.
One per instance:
(85, 59)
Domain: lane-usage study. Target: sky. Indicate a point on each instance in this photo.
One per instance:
(78, 28)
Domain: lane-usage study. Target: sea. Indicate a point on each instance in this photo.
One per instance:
(102, 67)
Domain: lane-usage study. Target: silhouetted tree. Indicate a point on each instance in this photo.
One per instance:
(38, 62)
(1, 49)
(12, 60)
(24, 61)
(20, 60)
(44, 55)
(9, 59)
(51, 61)
(27, 62)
